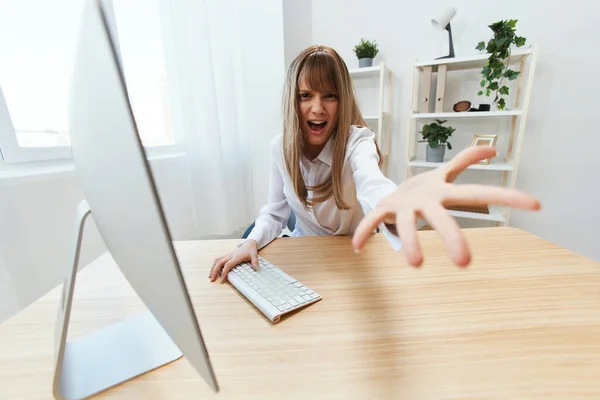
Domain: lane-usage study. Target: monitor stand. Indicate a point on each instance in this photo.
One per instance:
(110, 356)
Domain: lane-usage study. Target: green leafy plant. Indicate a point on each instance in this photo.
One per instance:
(366, 49)
(437, 135)
(496, 69)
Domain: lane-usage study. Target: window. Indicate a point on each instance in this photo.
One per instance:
(37, 44)
(37, 40)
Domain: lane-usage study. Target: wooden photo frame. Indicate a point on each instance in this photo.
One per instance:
(484, 140)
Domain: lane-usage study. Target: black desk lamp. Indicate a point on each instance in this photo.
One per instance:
(443, 22)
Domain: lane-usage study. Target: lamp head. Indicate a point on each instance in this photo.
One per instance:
(444, 19)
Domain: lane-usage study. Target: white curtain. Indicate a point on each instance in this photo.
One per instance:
(206, 61)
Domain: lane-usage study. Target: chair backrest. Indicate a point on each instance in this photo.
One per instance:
(291, 225)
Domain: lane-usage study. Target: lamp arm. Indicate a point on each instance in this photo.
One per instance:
(450, 41)
(449, 29)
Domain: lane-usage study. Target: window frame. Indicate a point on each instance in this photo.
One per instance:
(12, 153)
(10, 150)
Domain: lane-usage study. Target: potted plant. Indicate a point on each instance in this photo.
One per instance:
(436, 135)
(365, 52)
(499, 48)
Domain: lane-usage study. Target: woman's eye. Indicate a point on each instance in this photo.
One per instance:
(332, 96)
(304, 95)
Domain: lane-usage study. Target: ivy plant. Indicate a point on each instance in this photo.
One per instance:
(496, 69)
(437, 135)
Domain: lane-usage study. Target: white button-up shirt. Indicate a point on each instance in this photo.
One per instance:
(363, 186)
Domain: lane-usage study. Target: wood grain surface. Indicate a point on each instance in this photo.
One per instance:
(521, 322)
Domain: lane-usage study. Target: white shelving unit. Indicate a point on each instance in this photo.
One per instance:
(381, 117)
(489, 167)
(488, 114)
(424, 110)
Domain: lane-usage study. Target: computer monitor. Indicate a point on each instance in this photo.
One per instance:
(119, 190)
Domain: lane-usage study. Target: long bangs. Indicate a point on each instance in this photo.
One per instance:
(320, 73)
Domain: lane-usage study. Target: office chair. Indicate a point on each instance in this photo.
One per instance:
(291, 224)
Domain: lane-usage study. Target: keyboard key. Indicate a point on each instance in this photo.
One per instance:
(284, 275)
(293, 303)
(299, 299)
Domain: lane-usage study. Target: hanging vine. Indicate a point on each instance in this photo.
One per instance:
(497, 68)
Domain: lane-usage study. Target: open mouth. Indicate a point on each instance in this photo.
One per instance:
(317, 126)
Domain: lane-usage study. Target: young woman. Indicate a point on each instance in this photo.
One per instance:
(325, 167)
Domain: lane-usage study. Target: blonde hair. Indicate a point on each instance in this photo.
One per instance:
(324, 71)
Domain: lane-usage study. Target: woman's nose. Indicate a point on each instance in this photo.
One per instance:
(317, 105)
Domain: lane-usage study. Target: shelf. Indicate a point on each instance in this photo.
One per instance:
(495, 214)
(365, 71)
(489, 167)
(378, 120)
(374, 117)
(467, 114)
(471, 62)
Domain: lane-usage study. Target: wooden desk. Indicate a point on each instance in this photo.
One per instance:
(523, 321)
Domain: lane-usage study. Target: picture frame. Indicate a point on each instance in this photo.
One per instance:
(484, 140)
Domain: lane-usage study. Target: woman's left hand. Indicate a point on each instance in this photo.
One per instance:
(426, 195)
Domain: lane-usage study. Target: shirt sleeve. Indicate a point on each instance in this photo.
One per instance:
(371, 184)
(274, 215)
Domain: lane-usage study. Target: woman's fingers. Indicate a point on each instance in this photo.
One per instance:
(406, 228)
(465, 158)
(481, 194)
(445, 224)
(217, 267)
(212, 266)
(367, 226)
(229, 265)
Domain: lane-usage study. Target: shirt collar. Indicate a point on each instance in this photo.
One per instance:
(326, 155)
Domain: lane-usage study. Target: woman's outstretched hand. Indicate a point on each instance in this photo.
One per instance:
(426, 195)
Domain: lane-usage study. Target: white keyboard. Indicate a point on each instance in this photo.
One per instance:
(270, 289)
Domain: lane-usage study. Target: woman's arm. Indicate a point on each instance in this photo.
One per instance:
(273, 216)
(371, 184)
(269, 224)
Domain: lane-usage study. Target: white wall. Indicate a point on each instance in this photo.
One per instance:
(560, 160)
(297, 27)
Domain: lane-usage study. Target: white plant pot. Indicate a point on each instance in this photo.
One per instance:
(365, 62)
(435, 154)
